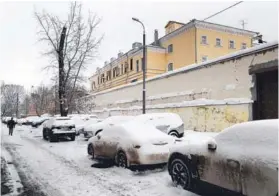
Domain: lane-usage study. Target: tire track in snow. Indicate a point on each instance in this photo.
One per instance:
(100, 179)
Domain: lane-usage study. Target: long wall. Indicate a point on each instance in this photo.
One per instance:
(208, 96)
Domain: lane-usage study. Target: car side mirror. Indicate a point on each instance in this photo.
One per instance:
(99, 135)
(211, 145)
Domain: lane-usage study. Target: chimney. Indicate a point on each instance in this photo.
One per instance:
(120, 54)
(156, 37)
(136, 45)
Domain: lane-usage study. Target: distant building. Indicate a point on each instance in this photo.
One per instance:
(182, 45)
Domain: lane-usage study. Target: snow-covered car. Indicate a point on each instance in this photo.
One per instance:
(31, 119)
(21, 121)
(169, 123)
(38, 121)
(241, 160)
(130, 144)
(92, 129)
(57, 127)
(92, 121)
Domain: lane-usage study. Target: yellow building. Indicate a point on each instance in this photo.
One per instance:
(182, 45)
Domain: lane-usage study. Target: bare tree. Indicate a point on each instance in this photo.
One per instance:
(11, 96)
(72, 45)
(42, 99)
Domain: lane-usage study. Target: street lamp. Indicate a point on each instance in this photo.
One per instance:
(143, 66)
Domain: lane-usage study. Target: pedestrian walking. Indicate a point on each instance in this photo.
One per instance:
(11, 125)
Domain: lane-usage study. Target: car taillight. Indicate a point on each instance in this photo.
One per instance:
(137, 146)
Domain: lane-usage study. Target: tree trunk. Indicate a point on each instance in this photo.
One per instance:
(61, 73)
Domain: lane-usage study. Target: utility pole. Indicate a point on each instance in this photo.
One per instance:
(144, 63)
(243, 23)
(17, 105)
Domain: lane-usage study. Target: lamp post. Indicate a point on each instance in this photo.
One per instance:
(143, 66)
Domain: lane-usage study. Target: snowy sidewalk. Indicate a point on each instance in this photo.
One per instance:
(63, 168)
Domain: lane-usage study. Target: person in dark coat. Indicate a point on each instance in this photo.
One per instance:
(11, 125)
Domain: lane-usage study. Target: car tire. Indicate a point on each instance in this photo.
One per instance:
(180, 172)
(90, 150)
(174, 133)
(73, 137)
(44, 134)
(121, 160)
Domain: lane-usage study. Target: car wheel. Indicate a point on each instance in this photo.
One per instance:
(90, 150)
(174, 134)
(180, 173)
(44, 134)
(121, 159)
(73, 137)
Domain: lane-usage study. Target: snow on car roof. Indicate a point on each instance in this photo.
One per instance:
(143, 132)
(62, 118)
(118, 118)
(173, 118)
(261, 131)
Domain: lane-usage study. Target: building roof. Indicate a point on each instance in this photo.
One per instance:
(199, 23)
(172, 21)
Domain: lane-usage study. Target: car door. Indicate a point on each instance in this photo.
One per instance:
(222, 171)
(106, 143)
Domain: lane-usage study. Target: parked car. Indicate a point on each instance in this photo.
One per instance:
(30, 119)
(39, 121)
(91, 121)
(241, 160)
(130, 144)
(21, 121)
(92, 129)
(169, 123)
(58, 127)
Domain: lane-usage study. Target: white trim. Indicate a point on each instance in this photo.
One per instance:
(216, 42)
(222, 28)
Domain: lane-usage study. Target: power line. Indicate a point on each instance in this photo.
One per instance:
(222, 10)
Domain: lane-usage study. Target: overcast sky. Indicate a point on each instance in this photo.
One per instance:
(20, 53)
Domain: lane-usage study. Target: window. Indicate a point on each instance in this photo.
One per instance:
(137, 65)
(102, 78)
(218, 42)
(243, 46)
(122, 70)
(134, 80)
(109, 75)
(126, 66)
(170, 48)
(204, 58)
(231, 44)
(131, 64)
(170, 66)
(98, 80)
(204, 39)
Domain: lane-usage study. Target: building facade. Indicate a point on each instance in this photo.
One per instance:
(182, 45)
(208, 96)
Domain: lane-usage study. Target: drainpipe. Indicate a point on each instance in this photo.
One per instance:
(195, 43)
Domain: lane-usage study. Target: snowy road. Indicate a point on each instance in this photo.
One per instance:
(57, 169)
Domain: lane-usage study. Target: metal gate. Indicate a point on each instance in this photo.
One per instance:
(266, 106)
